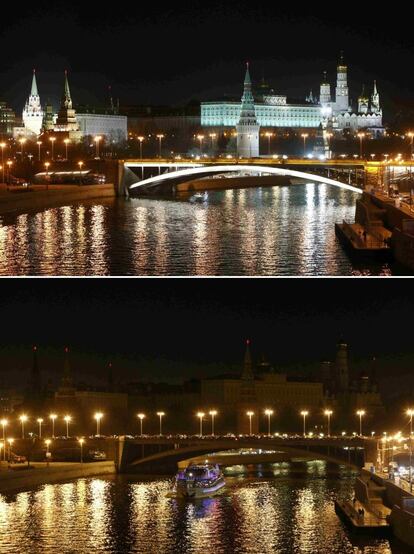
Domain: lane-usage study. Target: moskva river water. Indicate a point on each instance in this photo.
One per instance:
(261, 231)
(278, 508)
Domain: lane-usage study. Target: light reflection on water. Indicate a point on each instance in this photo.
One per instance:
(257, 514)
(263, 231)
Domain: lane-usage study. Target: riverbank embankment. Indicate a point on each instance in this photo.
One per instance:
(39, 473)
(40, 197)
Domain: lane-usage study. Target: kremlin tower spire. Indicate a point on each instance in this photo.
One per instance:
(375, 100)
(32, 112)
(342, 91)
(247, 127)
(66, 119)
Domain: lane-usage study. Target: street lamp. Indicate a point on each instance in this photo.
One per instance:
(23, 418)
(81, 441)
(213, 138)
(140, 146)
(66, 141)
(9, 164)
(68, 419)
(141, 418)
(97, 140)
(160, 137)
(47, 443)
(40, 421)
(249, 136)
(52, 140)
(22, 142)
(201, 415)
(10, 441)
(201, 138)
(411, 135)
(328, 414)
(360, 413)
(80, 164)
(39, 145)
(304, 136)
(269, 414)
(213, 414)
(304, 413)
(53, 417)
(250, 414)
(4, 422)
(98, 416)
(160, 415)
(361, 137)
(269, 136)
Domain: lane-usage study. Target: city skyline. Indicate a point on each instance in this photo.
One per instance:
(158, 347)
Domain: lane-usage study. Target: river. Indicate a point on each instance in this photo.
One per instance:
(281, 508)
(280, 231)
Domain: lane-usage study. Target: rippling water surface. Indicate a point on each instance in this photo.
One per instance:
(262, 231)
(265, 509)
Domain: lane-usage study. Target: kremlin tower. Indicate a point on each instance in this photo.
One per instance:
(247, 127)
(32, 112)
(66, 119)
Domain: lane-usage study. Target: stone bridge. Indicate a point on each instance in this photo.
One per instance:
(161, 454)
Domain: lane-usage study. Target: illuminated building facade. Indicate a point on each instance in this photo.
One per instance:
(274, 111)
(33, 112)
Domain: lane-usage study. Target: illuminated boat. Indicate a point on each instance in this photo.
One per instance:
(199, 481)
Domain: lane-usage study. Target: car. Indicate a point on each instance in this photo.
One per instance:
(17, 459)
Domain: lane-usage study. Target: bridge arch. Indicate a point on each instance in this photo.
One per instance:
(231, 168)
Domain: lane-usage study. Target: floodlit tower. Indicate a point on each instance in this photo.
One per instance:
(32, 112)
(342, 91)
(363, 102)
(325, 91)
(247, 127)
(66, 119)
(375, 100)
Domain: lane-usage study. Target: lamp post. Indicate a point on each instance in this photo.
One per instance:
(160, 415)
(269, 414)
(10, 441)
(411, 135)
(97, 140)
(269, 136)
(9, 164)
(81, 441)
(4, 422)
(80, 164)
(213, 414)
(22, 142)
(23, 418)
(68, 419)
(200, 139)
(411, 413)
(66, 141)
(39, 145)
(213, 138)
(250, 414)
(249, 136)
(98, 416)
(328, 414)
(160, 137)
(200, 415)
(360, 413)
(140, 146)
(141, 419)
(47, 443)
(2, 146)
(53, 418)
(304, 414)
(304, 136)
(40, 421)
(52, 140)
(361, 137)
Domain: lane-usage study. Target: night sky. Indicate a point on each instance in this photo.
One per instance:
(173, 329)
(161, 55)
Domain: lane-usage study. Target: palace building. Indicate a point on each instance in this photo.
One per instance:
(272, 110)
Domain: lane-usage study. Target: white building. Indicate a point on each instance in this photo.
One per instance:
(273, 110)
(113, 127)
(32, 112)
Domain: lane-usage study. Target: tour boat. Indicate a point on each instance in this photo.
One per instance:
(199, 481)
